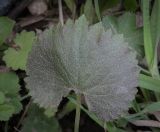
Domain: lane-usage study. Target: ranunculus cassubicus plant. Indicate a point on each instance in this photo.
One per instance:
(88, 60)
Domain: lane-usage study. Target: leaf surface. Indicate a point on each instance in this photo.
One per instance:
(89, 11)
(6, 112)
(88, 60)
(149, 83)
(9, 98)
(6, 26)
(17, 57)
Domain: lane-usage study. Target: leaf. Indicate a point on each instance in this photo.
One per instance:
(70, 4)
(88, 60)
(10, 98)
(17, 58)
(49, 112)
(6, 26)
(38, 122)
(97, 10)
(122, 122)
(112, 128)
(155, 32)
(149, 83)
(148, 44)
(15, 101)
(9, 83)
(155, 22)
(152, 107)
(126, 25)
(6, 112)
(89, 11)
(2, 98)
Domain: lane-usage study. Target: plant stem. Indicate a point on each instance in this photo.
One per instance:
(6, 127)
(74, 10)
(25, 97)
(78, 112)
(105, 127)
(60, 12)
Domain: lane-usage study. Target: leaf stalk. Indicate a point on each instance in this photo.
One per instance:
(78, 112)
(60, 12)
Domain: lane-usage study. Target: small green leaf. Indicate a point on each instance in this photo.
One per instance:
(6, 112)
(15, 101)
(148, 43)
(97, 9)
(89, 11)
(152, 107)
(6, 26)
(38, 122)
(9, 88)
(17, 58)
(9, 83)
(149, 83)
(122, 122)
(155, 22)
(50, 112)
(126, 25)
(2, 97)
(112, 128)
(155, 32)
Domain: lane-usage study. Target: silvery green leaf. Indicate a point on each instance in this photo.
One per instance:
(87, 59)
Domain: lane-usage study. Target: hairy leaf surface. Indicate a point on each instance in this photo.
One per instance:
(87, 59)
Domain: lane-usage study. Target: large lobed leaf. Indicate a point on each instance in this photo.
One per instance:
(89, 60)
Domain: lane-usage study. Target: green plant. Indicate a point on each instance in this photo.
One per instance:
(23, 44)
(9, 98)
(6, 26)
(78, 57)
(132, 34)
(38, 122)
